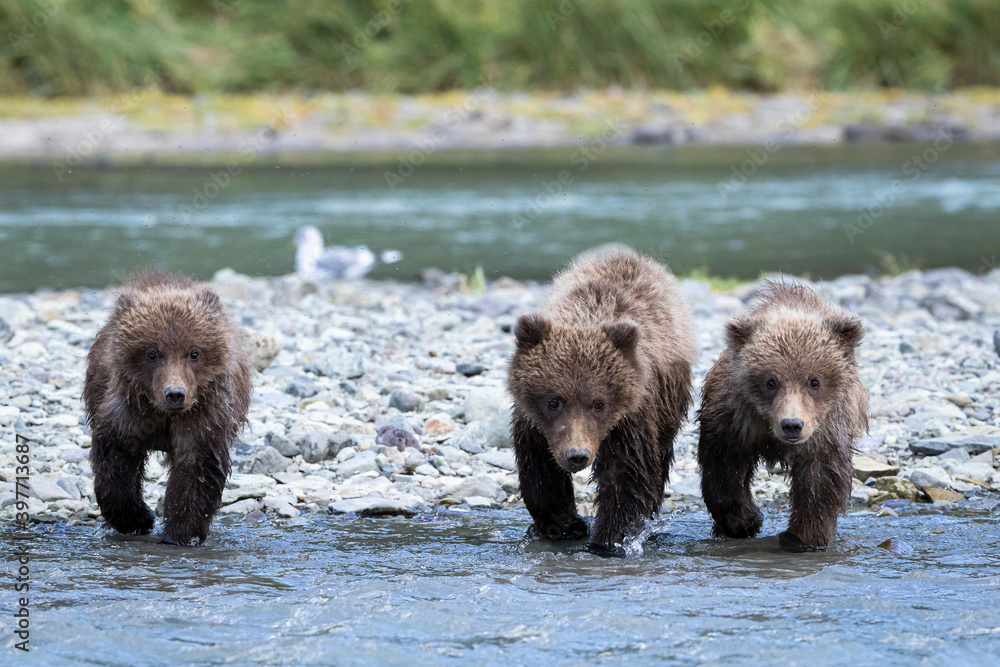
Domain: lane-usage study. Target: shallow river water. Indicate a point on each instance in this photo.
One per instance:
(470, 588)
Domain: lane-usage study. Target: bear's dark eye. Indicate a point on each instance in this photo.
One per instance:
(555, 403)
(194, 354)
(599, 405)
(152, 356)
(772, 384)
(814, 383)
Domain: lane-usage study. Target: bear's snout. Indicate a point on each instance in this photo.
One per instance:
(577, 459)
(174, 396)
(792, 428)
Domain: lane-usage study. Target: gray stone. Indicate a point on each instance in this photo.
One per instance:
(393, 436)
(241, 507)
(7, 498)
(996, 341)
(688, 486)
(469, 370)
(6, 333)
(405, 401)
(320, 446)
(302, 387)
(865, 467)
(240, 486)
(74, 454)
(285, 446)
(934, 477)
(957, 454)
(482, 486)
(485, 403)
(260, 348)
(46, 489)
(974, 444)
(977, 470)
(348, 361)
(480, 502)
(359, 463)
(69, 486)
(467, 443)
(259, 459)
(372, 506)
(499, 458)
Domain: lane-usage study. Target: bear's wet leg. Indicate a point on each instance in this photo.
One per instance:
(821, 485)
(194, 493)
(629, 489)
(547, 489)
(726, 474)
(118, 472)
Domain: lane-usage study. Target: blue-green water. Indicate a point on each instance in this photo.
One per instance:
(495, 210)
(472, 589)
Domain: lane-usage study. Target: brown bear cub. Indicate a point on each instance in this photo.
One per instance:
(786, 389)
(166, 373)
(601, 375)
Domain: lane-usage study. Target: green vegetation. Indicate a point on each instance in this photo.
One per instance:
(86, 47)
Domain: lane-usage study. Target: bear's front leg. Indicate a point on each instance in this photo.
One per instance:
(194, 492)
(727, 469)
(821, 486)
(629, 488)
(118, 471)
(547, 489)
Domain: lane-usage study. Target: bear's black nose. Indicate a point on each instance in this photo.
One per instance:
(174, 396)
(792, 427)
(577, 459)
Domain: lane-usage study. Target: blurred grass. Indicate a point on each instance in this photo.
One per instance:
(95, 47)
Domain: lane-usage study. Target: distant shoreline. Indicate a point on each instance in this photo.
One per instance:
(148, 127)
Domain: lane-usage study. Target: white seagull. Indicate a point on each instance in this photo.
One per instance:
(313, 261)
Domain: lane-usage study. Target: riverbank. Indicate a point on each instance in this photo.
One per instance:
(146, 126)
(386, 398)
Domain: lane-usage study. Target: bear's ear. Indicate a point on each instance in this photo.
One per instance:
(847, 328)
(531, 330)
(211, 300)
(623, 334)
(738, 331)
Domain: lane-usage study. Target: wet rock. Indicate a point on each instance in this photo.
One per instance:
(240, 486)
(46, 489)
(481, 502)
(481, 486)
(933, 476)
(469, 370)
(865, 467)
(393, 436)
(320, 446)
(897, 487)
(260, 348)
(896, 546)
(406, 401)
(373, 507)
(973, 444)
(241, 507)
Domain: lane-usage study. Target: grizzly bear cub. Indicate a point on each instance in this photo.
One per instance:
(166, 373)
(601, 375)
(786, 389)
